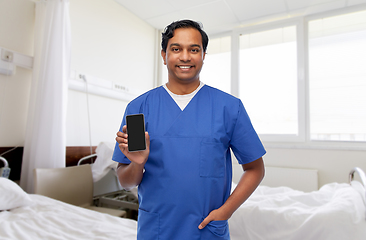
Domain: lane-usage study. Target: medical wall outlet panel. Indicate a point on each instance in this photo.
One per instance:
(4, 172)
(10, 59)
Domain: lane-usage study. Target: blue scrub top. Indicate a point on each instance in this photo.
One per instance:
(188, 173)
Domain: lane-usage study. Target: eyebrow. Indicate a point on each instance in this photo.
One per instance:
(193, 45)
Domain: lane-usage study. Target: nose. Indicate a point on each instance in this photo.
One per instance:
(185, 56)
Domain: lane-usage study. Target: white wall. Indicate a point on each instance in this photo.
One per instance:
(333, 165)
(107, 42)
(16, 34)
(110, 43)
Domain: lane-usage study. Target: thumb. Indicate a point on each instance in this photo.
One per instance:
(204, 222)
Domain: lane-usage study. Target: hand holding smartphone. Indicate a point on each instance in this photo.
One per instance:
(136, 132)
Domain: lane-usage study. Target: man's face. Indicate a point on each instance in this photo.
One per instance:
(184, 55)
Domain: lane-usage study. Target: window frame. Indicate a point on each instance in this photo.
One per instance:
(328, 144)
(300, 44)
(302, 140)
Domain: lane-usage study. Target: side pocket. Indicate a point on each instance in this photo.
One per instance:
(148, 225)
(216, 230)
(212, 160)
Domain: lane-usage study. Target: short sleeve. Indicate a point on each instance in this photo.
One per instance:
(245, 142)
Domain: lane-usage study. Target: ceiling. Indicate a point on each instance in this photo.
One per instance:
(218, 16)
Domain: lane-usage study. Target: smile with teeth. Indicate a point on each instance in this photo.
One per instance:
(184, 67)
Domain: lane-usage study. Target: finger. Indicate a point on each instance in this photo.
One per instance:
(120, 140)
(206, 221)
(124, 129)
(147, 136)
(123, 147)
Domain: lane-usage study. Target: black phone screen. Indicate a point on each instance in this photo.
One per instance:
(136, 132)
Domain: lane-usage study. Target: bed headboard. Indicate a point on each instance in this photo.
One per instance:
(296, 178)
(14, 156)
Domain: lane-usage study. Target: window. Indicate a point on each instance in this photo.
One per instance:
(337, 77)
(302, 81)
(216, 70)
(268, 79)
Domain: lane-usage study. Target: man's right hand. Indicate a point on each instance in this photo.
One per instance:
(139, 157)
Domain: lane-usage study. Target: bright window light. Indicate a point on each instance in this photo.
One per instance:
(337, 77)
(268, 80)
(217, 64)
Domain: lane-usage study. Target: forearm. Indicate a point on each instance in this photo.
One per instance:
(130, 175)
(251, 178)
(253, 175)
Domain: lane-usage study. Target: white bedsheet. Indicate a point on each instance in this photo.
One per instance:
(335, 212)
(50, 219)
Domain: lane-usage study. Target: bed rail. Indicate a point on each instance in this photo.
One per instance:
(5, 162)
(362, 176)
(360, 173)
(87, 157)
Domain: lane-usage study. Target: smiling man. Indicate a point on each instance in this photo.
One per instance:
(184, 175)
(184, 57)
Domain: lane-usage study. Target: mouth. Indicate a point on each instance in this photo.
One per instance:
(184, 67)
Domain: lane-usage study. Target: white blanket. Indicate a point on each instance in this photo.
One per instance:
(50, 219)
(104, 163)
(335, 212)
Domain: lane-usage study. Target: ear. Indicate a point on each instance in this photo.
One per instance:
(204, 55)
(163, 55)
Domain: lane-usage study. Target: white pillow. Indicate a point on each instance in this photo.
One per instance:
(12, 195)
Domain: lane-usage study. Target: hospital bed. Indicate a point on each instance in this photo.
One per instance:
(336, 211)
(73, 185)
(106, 187)
(32, 216)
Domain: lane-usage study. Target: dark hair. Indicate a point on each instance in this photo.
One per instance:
(169, 32)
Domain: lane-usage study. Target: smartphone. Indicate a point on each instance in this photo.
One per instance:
(136, 132)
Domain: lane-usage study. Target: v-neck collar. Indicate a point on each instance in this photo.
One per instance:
(182, 101)
(195, 120)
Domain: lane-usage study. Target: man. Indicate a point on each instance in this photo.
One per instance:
(184, 175)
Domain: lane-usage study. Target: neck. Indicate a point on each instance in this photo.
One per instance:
(182, 89)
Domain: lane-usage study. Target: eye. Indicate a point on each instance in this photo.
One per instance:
(195, 50)
(175, 49)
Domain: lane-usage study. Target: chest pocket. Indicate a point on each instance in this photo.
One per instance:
(212, 160)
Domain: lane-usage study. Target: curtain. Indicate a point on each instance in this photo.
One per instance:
(45, 140)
